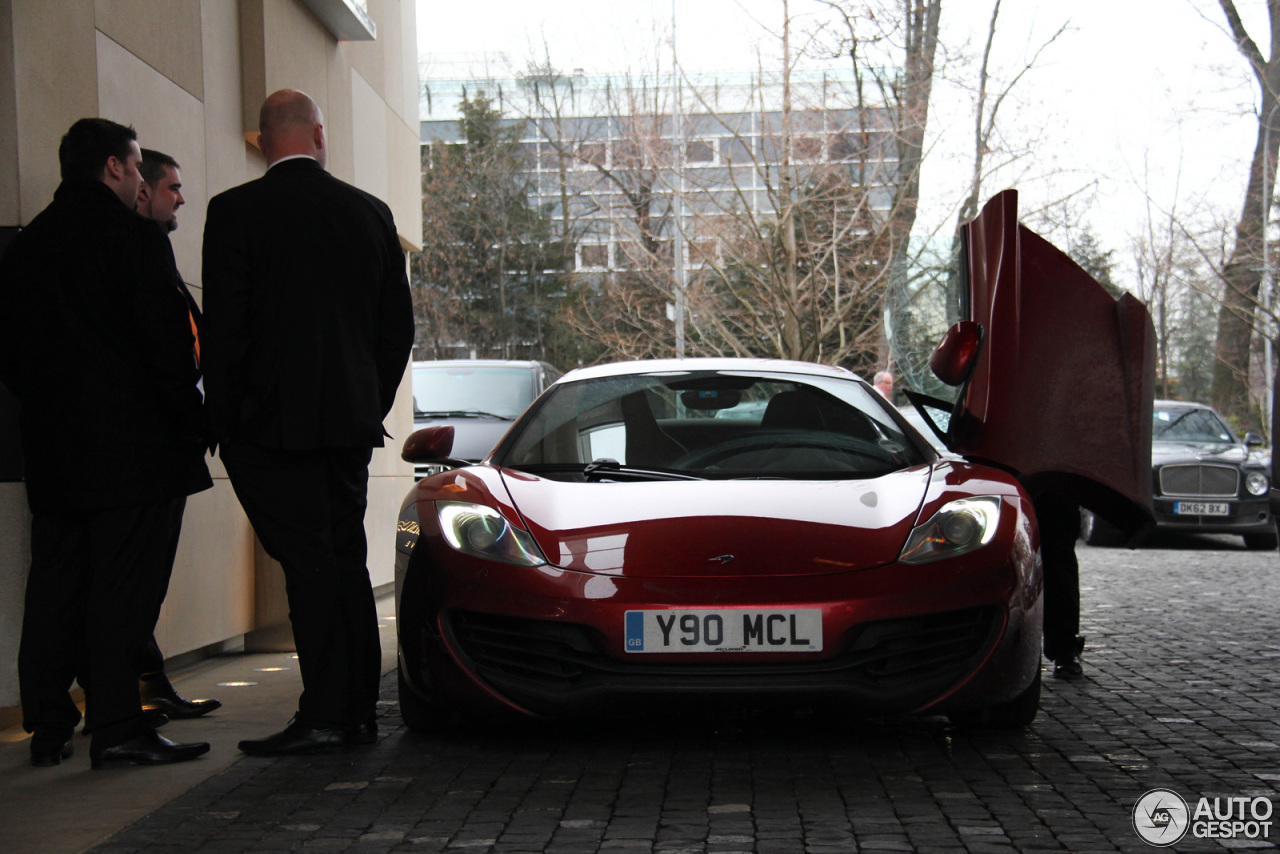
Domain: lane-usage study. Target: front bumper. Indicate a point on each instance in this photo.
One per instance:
(1252, 516)
(548, 642)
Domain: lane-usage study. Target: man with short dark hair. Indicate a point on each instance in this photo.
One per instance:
(160, 194)
(96, 344)
(308, 327)
(159, 197)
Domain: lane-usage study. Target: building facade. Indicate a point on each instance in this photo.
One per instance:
(705, 152)
(189, 76)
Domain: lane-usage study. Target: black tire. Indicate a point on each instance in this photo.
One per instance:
(418, 714)
(1260, 542)
(1015, 714)
(1096, 532)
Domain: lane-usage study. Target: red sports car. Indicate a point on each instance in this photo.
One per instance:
(721, 532)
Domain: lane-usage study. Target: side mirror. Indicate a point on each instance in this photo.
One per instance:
(1254, 440)
(430, 444)
(957, 353)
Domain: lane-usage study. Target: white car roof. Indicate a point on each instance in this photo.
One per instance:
(647, 366)
(476, 363)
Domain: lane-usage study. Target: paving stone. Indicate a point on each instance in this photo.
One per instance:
(1182, 682)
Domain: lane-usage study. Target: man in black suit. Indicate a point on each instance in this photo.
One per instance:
(308, 325)
(159, 197)
(96, 344)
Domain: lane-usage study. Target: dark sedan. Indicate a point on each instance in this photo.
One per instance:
(1205, 478)
(480, 398)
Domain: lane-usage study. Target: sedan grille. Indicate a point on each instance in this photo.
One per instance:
(892, 665)
(1200, 481)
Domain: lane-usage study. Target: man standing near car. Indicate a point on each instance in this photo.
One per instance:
(159, 197)
(96, 345)
(1058, 517)
(308, 328)
(884, 384)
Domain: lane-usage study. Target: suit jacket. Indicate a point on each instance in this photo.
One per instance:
(308, 321)
(96, 344)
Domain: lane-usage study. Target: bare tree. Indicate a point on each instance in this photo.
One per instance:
(1241, 276)
(986, 112)
(794, 204)
(1154, 258)
(906, 32)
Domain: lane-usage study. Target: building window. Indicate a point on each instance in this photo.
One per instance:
(592, 154)
(808, 148)
(593, 256)
(736, 150)
(699, 151)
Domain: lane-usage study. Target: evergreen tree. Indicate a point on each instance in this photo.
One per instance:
(1096, 261)
(488, 280)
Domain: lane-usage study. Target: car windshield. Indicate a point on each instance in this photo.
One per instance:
(1188, 424)
(452, 389)
(710, 424)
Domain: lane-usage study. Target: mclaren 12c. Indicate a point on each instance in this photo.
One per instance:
(714, 533)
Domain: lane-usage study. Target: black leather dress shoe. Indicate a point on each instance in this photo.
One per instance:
(178, 707)
(158, 695)
(1068, 668)
(50, 746)
(150, 748)
(297, 739)
(363, 733)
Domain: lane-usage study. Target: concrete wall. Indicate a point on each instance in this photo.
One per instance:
(189, 75)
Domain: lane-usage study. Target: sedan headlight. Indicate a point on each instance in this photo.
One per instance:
(1256, 483)
(481, 531)
(961, 526)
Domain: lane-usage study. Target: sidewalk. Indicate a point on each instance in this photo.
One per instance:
(71, 808)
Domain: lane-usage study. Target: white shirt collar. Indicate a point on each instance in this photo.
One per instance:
(290, 157)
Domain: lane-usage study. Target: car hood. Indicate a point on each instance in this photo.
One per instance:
(1208, 452)
(473, 436)
(758, 528)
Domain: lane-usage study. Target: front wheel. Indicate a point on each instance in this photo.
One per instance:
(1260, 542)
(418, 714)
(1016, 713)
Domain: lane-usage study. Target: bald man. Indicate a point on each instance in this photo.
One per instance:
(307, 332)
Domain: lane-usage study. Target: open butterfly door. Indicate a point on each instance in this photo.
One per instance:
(1055, 377)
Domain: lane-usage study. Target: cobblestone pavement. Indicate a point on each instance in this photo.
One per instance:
(1182, 692)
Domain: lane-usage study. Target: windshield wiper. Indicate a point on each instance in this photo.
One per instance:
(463, 413)
(608, 470)
(1175, 422)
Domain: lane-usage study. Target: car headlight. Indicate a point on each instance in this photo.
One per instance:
(959, 527)
(1256, 482)
(475, 529)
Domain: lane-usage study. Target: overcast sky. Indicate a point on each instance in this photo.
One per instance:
(1136, 98)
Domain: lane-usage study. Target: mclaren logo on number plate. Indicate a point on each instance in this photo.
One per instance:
(722, 559)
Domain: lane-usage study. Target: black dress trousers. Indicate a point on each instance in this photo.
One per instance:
(307, 507)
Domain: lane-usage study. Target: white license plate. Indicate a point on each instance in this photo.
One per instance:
(724, 630)
(1201, 508)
